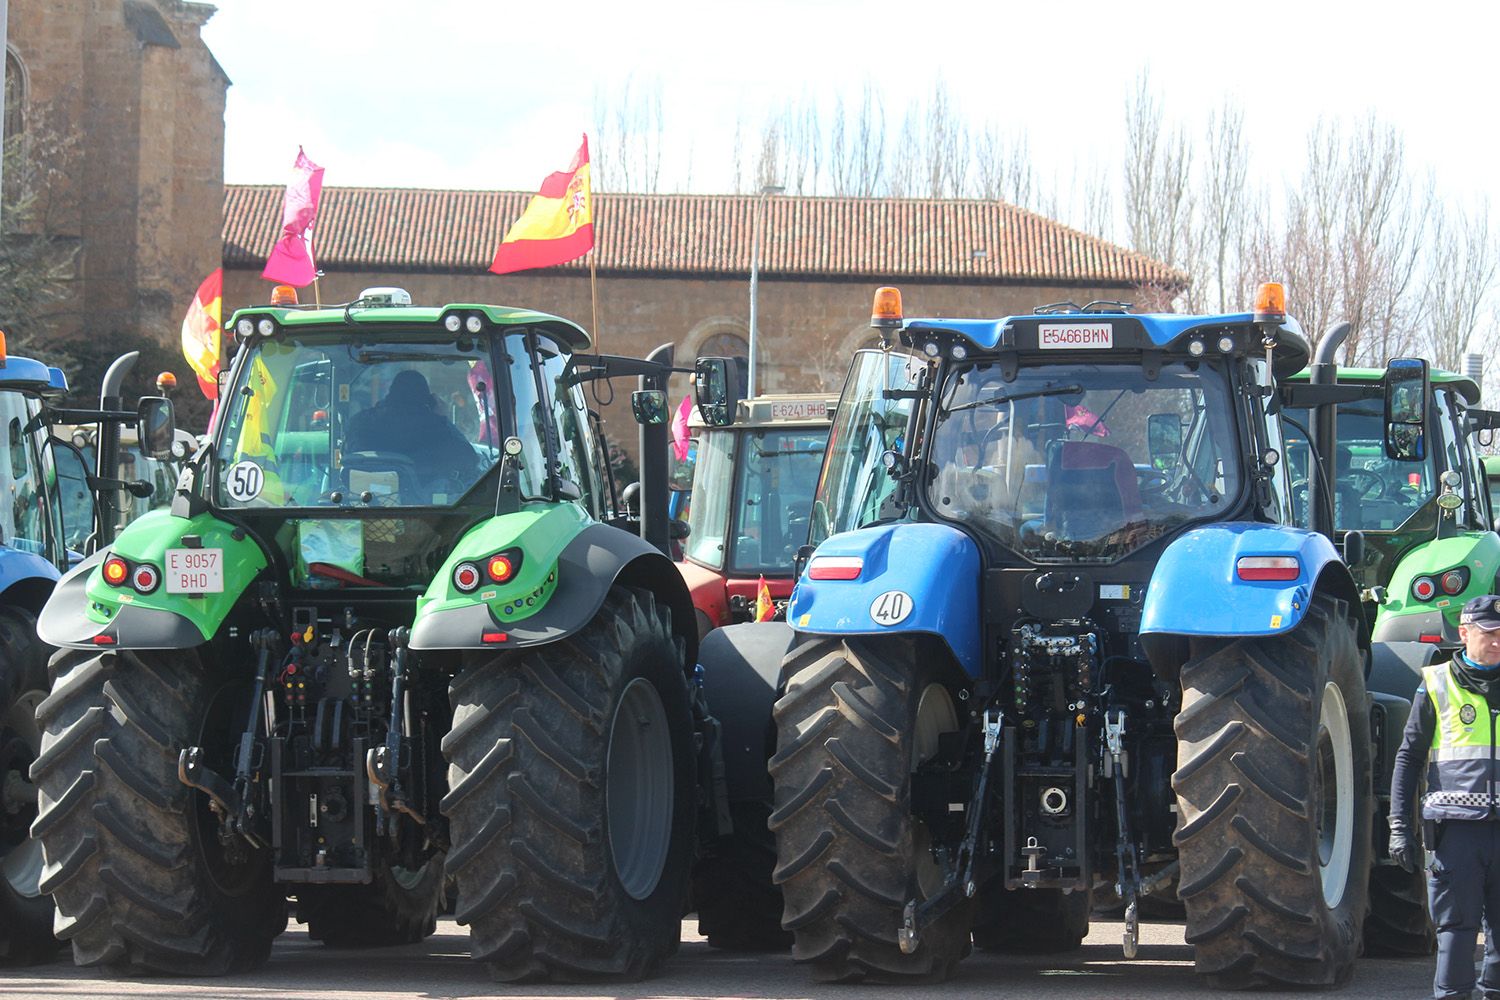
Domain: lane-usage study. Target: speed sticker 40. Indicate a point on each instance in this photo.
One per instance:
(891, 607)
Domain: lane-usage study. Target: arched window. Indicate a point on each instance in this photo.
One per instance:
(724, 345)
(15, 95)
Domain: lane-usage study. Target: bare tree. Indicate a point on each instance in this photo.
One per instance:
(903, 175)
(630, 124)
(1218, 232)
(1460, 282)
(1002, 168)
(1157, 175)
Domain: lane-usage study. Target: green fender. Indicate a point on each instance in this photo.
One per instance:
(1403, 617)
(85, 612)
(568, 564)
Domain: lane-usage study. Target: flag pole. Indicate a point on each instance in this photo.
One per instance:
(594, 299)
(317, 291)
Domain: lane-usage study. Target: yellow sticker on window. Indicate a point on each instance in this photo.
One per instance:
(802, 622)
(343, 392)
(1276, 621)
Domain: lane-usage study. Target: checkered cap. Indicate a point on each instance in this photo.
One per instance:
(1483, 612)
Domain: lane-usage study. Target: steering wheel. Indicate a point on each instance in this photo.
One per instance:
(1150, 481)
(1373, 485)
(990, 436)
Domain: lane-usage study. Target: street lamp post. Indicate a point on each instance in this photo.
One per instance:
(766, 189)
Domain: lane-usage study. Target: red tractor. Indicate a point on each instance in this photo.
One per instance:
(752, 491)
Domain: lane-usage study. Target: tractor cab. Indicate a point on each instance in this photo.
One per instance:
(752, 490)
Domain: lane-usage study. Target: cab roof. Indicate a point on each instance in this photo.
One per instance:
(26, 375)
(1161, 330)
(570, 335)
(1465, 386)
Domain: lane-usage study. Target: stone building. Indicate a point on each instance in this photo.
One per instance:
(675, 268)
(120, 104)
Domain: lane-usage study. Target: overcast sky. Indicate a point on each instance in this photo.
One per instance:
(494, 94)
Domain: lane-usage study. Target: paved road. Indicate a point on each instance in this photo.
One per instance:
(441, 968)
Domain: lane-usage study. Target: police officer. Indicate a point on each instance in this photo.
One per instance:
(1452, 731)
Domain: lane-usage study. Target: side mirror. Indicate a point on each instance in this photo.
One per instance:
(799, 563)
(649, 406)
(718, 387)
(156, 427)
(678, 529)
(1406, 391)
(1164, 438)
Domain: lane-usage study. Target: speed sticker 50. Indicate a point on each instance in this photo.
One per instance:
(891, 607)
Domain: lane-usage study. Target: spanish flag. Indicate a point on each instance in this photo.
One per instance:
(765, 608)
(558, 224)
(202, 334)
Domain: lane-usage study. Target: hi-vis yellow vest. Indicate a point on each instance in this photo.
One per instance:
(1462, 762)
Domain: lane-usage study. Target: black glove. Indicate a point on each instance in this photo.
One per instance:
(1403, 851)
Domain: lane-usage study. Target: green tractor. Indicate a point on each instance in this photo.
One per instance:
(1427, 541)
(389, 626)
(1418, 536)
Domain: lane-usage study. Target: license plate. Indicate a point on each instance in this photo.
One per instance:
(195, 571)
(1075, 336)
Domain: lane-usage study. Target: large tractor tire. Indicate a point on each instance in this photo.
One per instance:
(1031, 921)
(1399, 925)
(739, 907)
(25, 911)
(1274, 803)
(133, 858)
(858, 716)
(399, 906)
(571, 776)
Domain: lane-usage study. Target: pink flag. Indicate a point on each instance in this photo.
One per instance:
(291, 259)
(680, 429)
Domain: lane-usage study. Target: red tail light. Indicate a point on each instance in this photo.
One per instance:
(835, 568)
(1423, 589)
(145, 578)
(494, 638)
(1454, 581)
(1267, 568)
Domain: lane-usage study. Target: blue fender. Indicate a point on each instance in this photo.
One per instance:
(1195, 590)
(934, 566)
(17, 566)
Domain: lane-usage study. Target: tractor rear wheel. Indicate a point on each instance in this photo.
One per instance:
(1274, 803)
(133, 857)
(399, 906)
(858, 716)
(25, 911)
(1031, 921)
(571, 775)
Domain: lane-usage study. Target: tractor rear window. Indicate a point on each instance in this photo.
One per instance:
(389, 420)
(1083, 461)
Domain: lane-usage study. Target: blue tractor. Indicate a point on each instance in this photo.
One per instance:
(1059, 638)
(47, 519)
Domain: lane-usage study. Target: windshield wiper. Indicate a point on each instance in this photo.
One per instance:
(369, 357)
(1056, 390)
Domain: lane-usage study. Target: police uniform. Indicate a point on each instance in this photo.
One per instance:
(1452, 731)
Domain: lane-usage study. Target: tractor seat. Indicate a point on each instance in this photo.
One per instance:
(1091, 489)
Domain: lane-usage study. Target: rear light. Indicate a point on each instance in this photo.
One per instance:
(466, 576)
(835, 568)
(502, 566)
(1454, 581)
(104, 640)
(145, 578)
(494, 638)
(1267, 568)
(1436, 640)
(116, 571)
(1423, 589)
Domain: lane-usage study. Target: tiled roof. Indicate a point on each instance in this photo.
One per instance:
(403, 229)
